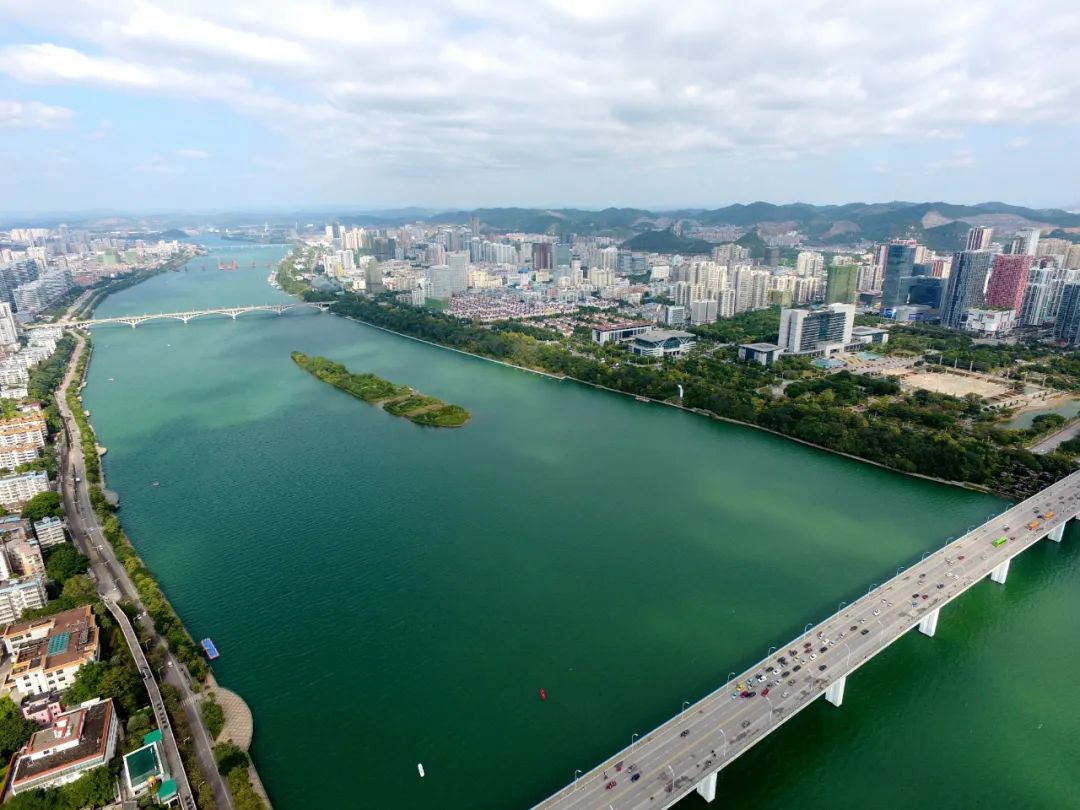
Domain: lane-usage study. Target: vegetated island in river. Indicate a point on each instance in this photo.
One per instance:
(397, 400)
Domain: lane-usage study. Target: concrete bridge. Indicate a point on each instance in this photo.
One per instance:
(232, 312)
(686, 753)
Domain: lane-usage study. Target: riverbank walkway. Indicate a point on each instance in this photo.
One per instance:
(686, 753)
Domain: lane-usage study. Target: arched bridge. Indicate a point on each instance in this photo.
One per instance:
(232, 312)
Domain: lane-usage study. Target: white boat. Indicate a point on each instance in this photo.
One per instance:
(420, 769)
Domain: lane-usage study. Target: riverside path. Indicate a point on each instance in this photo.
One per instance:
(687, 752)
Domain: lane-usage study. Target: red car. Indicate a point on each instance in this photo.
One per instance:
(765, 692)
(609, 785)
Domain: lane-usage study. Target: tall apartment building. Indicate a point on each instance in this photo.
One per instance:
(816, 331)
(967, 280)
(978, 238)
(810, 263)
(22, 430)
(50, 650)
(1008, 279)
(9, 329)
(17, 595)
(840, 284)
(12, 456)
(15, 490)
(1067, 325)
(1035, 306)
(542, 256)
(751, 288)
(50, 532)
(899, 265)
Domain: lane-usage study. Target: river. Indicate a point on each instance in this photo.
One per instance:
(384, 594)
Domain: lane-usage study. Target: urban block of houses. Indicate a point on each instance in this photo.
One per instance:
(77, 741)
(49, 651)
(43, 709)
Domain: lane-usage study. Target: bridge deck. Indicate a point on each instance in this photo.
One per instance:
(185, 316)
(709, 735)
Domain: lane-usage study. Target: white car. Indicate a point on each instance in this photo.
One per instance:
(877, 612)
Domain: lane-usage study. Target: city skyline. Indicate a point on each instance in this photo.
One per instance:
(186, 105)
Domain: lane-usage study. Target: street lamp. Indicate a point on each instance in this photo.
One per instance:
(577, 773)
(898, 570)
(808, 626)
(730, 676)
(770, 652)
(632, 738)
(685, 703)
(868, 590)
(840, 606)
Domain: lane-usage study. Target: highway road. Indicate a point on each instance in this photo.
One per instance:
(669, 762)
(114, 586)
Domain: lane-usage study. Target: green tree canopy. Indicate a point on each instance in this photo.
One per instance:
(64, 562)
(103, 680)
(229, 757)
(43, 505)
(15, 729)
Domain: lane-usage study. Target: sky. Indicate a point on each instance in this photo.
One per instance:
(207, 105)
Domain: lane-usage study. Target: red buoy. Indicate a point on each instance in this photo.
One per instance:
(543, 695)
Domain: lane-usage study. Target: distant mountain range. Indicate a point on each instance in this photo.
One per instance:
(940, 225)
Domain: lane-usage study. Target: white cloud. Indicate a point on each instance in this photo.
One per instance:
(960, 159)
(102, 130)
(33, 115)
(462, 84)
(193, 154)
(157, 166)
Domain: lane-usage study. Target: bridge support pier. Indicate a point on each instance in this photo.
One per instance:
(1001, 573)
(1057, 533)
(928, 623)
(835, 692)
(707, 787)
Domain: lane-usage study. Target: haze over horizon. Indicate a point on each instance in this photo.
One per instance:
(166, 105)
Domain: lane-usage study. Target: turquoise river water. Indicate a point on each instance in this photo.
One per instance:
(384, 594)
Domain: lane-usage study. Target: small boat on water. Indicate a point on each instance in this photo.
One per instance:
(154, 483)
(420, 769)
(209, 649)
(543, 694)
(642, 399)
